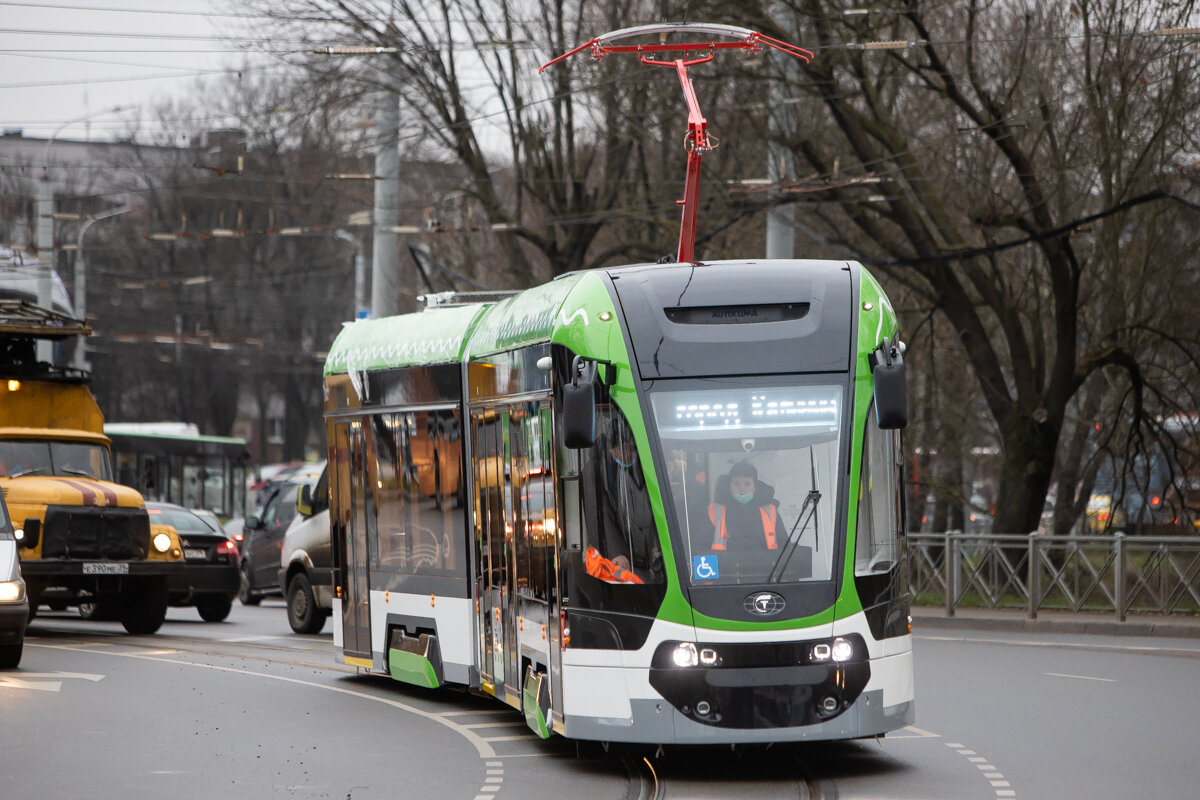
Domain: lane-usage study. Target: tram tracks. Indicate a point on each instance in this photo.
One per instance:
(718, 774)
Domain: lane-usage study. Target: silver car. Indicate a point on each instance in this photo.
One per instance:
(14, 604)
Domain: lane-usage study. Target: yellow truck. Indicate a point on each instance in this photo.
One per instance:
(82, 538)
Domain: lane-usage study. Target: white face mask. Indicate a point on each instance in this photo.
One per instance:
(744, 498)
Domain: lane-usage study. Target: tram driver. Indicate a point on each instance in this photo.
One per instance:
(745, 518)
(624, 548)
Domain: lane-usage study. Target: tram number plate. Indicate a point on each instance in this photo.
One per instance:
(93, 568)
(194, 554)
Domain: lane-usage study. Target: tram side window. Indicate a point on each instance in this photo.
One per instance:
(618, 521)
(879, 519)
(432, 475)
(392, 552)
(533, 502)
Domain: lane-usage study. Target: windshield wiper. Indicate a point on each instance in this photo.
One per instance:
(808, 512)
(30, 471)
(73, 471)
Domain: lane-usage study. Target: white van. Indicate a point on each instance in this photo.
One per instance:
(306, 563)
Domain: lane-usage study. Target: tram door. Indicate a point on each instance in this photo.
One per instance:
(493, 504)
(354, 480)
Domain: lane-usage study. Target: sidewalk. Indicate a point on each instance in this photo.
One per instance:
(933, 618)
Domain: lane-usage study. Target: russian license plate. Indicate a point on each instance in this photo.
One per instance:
(102, 568)
(194, 553)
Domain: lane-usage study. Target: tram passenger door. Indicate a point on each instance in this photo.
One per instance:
(488, 428)
(353, 477)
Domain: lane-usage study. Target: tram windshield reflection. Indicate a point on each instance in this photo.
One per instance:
(753, 476)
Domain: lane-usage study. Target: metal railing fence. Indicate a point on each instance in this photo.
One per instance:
(1116, 574)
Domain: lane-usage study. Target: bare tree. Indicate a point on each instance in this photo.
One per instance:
(1025, 157)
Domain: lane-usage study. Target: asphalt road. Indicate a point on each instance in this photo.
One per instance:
(247, 709)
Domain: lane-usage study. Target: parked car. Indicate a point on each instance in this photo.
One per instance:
(306, 564)
(14, 604)
(262, 544)
(210, 575)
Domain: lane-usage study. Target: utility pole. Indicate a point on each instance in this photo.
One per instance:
(781, 117)
(385, 264)
(44, 238)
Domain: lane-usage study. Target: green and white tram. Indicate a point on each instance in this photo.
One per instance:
(656, 503)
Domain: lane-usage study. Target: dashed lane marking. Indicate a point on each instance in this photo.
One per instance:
(995, 777)
(913, 732)
(1081, 677)
(493, 780)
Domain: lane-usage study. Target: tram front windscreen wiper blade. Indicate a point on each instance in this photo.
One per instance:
(808, 513)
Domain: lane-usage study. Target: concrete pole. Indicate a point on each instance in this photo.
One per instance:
(781, 116)
(385, 266)
(44, 240)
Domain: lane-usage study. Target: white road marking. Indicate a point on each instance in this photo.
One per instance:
(35, 681)
(87, 676)
(994, 776)
(913, 732)
(1081, 677)
(1108, 648)
(41, 686)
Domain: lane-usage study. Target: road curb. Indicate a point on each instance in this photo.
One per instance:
(1175, 627)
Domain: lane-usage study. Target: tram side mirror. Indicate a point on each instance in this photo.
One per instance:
(891, 396)
(579, 405)
(252, 523)
(31, 533)
(304, 501)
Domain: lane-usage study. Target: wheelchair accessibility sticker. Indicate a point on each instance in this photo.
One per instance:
(704, 568)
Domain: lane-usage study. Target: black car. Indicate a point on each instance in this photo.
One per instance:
(14, 604)
(262, 544)
(210, 575)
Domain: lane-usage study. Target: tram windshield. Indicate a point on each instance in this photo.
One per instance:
(754, 479)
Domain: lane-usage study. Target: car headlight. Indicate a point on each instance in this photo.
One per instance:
(10, 590)
(162, 542)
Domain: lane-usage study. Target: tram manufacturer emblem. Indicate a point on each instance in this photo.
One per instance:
(765, 604)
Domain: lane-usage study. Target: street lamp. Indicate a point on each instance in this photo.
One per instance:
(44, 239)
(81, 280)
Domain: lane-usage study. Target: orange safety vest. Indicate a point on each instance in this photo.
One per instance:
(720, 534)
(603, 568)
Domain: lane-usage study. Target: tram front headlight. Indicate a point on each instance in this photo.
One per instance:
(162, 542)
(838, 650)
(685, 655)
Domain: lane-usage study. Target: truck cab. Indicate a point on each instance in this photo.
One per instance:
(81, 536)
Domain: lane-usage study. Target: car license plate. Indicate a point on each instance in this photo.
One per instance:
(194, 554)
(94, 568)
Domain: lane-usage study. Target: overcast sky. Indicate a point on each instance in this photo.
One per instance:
(64, 59)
